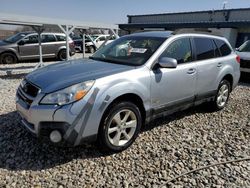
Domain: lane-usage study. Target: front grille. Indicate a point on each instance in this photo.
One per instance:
(30, 89)
(245, 63)
(27, 92)
(24, 99)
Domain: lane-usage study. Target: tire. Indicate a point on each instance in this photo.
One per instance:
(62, 55)
(115, 137)
(222, 96)
(8, 58)
(91, 49)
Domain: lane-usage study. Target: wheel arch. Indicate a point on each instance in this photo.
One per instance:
(12, 52)
(229, 78)
(130, 97)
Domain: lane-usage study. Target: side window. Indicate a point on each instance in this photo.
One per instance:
(48, 38)
(32, 39)
(204, 48)
(102, 39)
(60, 38)
(179, 50)
(223, 47)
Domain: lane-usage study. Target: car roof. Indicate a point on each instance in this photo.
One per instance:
(160, 34)
(167, 34)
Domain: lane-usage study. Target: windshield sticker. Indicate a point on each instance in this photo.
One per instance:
(138, 50)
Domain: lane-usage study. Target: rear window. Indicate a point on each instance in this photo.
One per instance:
(223, 47)
(61, 38)
(48, 38)
(204, 48)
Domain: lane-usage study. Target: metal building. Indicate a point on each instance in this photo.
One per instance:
(234, 24)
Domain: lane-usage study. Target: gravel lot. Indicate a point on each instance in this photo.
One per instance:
(166, 148)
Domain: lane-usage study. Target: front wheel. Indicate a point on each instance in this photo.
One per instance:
(8, 58)
(222, 95)
(91, 49)
(120, 127)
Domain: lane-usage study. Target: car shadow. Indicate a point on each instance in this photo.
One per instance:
(19, 150)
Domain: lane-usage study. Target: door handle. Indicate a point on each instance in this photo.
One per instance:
(219, 64)
(191, 71)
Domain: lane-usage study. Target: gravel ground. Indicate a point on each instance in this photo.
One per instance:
(165, 148)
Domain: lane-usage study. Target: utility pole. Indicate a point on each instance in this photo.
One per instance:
(224, 4)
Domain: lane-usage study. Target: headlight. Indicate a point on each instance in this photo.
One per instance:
(69, 94)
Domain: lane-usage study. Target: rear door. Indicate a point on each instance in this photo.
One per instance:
(49, 45)
(173, 87)
(208, 66)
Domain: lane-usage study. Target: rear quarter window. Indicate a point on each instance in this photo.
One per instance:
(223, 47)
(60, 38)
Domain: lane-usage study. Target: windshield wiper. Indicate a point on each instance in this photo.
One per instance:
(103, 59)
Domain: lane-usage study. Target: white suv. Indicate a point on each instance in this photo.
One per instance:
(98, 40)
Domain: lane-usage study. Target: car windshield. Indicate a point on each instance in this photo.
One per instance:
(245, 47)
(15, 38)
(129, 50)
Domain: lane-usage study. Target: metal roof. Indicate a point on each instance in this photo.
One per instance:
(199, 19)
(6, 18)
(191, 12)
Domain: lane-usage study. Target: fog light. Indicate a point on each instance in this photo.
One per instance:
(55, 136)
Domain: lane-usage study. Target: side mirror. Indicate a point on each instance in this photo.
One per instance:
(166, 62)
(21, 43)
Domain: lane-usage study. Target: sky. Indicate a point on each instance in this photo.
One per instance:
(109, 11)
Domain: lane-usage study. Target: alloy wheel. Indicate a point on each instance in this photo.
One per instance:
(223, 95)
(122, 127)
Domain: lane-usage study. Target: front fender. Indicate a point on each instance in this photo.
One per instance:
(107, 90)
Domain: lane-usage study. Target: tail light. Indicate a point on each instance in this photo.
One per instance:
(238, 59)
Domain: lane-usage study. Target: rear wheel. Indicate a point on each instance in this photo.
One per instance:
(8, 58)
(62, 55)
(222, 95)
(120, 127)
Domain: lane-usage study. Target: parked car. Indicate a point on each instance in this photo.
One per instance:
(244, 52)
(24, 46)
(110, 96)
(98, 40)
(78, 42)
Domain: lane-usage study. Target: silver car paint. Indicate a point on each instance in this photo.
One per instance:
(152, 87)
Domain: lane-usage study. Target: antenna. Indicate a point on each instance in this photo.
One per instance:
(224, 4)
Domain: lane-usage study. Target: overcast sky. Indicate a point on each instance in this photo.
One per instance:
(109, 11)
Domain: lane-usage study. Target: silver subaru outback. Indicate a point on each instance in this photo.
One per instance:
(126, 84)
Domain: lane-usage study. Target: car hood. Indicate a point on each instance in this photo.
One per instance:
(2, 43)
(60, 75)
(244, 55)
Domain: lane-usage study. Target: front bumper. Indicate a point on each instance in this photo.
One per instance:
(78, 122)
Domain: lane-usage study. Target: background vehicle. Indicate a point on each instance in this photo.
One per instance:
(78, 42)
(98, 40)
(110, 96)
(244, 52)
(24, 46)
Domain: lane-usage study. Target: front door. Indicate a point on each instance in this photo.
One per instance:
(30, 48)
(173, 87)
